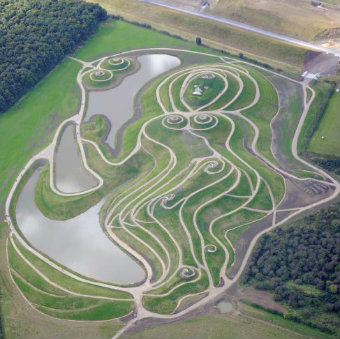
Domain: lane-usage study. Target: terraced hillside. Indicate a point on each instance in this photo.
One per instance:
(204, 167)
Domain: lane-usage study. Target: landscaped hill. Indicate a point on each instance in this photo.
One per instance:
(35, 35)
(300, 264)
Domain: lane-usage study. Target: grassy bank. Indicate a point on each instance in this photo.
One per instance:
(215, 325)
(325, 139)
(214, 34)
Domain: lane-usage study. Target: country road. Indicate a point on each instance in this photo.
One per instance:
(254, 29)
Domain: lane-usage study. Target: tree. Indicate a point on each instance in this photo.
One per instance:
(35, 37)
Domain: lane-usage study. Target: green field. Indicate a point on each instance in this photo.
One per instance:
(213, 34)
(183, 190)
(214, 325)
(329, 128)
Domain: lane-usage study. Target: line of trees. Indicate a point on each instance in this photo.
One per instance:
(300, 264)
(35, 35)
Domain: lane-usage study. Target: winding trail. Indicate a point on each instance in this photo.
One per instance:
(137, 208)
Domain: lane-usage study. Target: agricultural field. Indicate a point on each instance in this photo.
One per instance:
(143, 192)
(325, 138)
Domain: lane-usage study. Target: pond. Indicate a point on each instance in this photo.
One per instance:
(117, 103)
(70, 174)
(225, 307)
(79, 243)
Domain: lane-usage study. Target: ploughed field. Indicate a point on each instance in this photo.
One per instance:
(158, 202)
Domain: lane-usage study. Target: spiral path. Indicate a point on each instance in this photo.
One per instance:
(181, 220)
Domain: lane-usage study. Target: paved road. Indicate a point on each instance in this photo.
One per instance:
(241, 25)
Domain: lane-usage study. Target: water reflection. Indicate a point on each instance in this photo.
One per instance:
(71, 176)
(117, 104)
(78, 243)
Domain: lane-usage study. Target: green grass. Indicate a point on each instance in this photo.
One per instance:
(273, 179)
(329, 127)
(233, 87)
(62, 279)
(59, 303)
(247, 95)
(91, 80)
(168, 304)
(95, 130)
(281, 321)
(28, 126)
(59, 207)
(118, 36)
(263, 199)
(123, 67)
(214, 325)
(214, 34)
(110, 37)
(19, 320)
(210, 89)
(104, 311)
(262, 113)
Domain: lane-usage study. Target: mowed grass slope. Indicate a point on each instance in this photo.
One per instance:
(290, 17)
(115, 36)
(214, 325)
(329, 127)
(214, 34)
(29, 126)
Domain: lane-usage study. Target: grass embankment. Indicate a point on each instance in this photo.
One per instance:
(168, 304)
(233, 87)
(184, 147)
(62, 279)
(121, 65)
(207, 90)
(102, 80)
(96, 130)
(57, 302)
(21, 321)
(275, 182)
(263, 112)
(29, 125)
(216, 325)
(322, 120)
(246, 97)
(322, 93)
(115, 36)
(214, 34)
(329, 128)
(290, 18)
(59, 207)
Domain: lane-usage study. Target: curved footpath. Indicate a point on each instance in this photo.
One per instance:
(150, 193)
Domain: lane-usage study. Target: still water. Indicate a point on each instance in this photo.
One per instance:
(78, 243)
(71, 176)
(117, 104)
